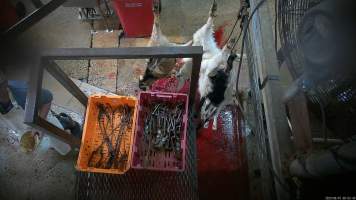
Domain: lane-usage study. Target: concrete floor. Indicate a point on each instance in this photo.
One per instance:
(44, 174)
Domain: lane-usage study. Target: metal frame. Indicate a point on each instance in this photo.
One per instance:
(47, 62)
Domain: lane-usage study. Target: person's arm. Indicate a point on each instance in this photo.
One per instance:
(5, 102)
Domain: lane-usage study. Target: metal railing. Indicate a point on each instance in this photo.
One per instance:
(47, 62)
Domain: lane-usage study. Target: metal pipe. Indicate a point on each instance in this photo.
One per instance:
(322, 140)
(335, 161)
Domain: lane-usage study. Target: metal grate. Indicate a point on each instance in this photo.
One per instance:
(257, 141)
(144, 184)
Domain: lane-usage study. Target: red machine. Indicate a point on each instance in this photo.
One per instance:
(135, 16)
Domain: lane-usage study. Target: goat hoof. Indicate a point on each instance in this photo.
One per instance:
(215, 127)
(206, 124)
(156, 7)
(213, 9)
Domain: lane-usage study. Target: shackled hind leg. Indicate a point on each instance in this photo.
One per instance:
(154, 41)
(212, 14)
(213, 9)
(156, 9)
(205, 35)
(156, 31)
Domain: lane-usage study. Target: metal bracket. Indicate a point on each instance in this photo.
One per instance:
(266, 79)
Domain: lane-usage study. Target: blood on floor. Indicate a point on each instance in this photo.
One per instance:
(222, 166)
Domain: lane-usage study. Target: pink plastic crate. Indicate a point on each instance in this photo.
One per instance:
(162, 161)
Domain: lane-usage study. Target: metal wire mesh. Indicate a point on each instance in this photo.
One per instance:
(258, 146)
(144, 184)
(337, 98)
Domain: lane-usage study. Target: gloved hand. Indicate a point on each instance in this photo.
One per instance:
(6, 107)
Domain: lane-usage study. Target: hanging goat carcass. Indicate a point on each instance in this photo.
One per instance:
(158, 67)
(216, 85)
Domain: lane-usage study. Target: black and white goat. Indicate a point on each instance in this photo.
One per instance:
(216, 84)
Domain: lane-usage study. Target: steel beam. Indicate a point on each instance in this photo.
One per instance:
(33, 93)
(56, 132)
(121, 53)
(194, 77)
(67, 83)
